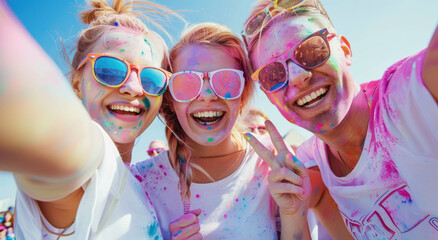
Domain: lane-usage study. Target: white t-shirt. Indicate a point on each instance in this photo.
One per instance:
(113, 206)
(392, 192)
(236, 207)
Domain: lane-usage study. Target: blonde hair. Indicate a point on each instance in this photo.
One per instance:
(313, 9)
(256, 112)
(103, 18)
(209, 35)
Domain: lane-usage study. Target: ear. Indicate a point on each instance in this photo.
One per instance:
(346, 49)
(76, 84)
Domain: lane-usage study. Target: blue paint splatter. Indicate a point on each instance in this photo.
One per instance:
(176, 234)
(152, 229)
(146, 102)
(209, 128)
(227, 95)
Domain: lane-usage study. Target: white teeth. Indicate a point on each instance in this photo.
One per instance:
(208, 114)
(125, 108)
(309, 97)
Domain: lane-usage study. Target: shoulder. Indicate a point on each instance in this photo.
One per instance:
(407, 71)
(309, 152)
(158, 165)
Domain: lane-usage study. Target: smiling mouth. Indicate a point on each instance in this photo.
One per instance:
(312, 98)
(125, 110)
(208, 117)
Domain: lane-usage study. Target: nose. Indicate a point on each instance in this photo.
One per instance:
(207, 94)
(132, 85)
(298, 76)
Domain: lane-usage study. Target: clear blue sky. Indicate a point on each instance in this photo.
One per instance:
(380, 32)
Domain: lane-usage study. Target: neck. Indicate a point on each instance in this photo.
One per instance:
(218, 161)
(125, 150)
(345, 141)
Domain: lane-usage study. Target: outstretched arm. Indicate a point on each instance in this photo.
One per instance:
(46, 136)
(430, 66)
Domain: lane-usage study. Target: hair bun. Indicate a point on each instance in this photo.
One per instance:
(100, 8)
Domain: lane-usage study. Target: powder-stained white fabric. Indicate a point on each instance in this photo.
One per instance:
(113, 206)
(392, 192)
(236, 207)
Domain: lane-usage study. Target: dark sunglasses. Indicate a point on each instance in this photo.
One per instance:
(309, 53)
(113, 72)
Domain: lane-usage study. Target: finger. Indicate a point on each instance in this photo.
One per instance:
(184, 221)
(281, 188)
(261, 150)
(196, 236)
(197, 211)
(186, 232)
(285, 175)
(276, 138)
(297, 165)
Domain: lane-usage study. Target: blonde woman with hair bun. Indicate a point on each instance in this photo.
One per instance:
(69, 161)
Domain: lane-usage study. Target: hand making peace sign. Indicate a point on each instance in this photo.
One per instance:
(289, 181)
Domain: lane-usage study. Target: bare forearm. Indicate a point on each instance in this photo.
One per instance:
(295, 227)
(329, 216)
(45, 131)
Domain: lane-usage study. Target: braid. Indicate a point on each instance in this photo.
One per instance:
(179, 154)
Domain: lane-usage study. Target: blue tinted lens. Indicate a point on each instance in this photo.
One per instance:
(110, 71)
(153, 81)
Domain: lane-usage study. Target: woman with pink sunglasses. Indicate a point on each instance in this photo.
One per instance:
(211, 183)
(69, 161)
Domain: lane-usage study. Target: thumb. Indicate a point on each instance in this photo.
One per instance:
(197, 212)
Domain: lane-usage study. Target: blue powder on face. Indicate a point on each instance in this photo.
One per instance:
(227, 95)
(147, 103)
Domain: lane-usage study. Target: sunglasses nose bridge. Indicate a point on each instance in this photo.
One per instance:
(132, 84)
(298, 76)
(207, 92)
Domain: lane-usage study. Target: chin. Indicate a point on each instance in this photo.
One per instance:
(123, 138)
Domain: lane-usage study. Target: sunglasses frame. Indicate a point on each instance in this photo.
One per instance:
(150, 150)
(210, 76)
(92, 57)
(258, 127)
(323, 33)
(268, 10)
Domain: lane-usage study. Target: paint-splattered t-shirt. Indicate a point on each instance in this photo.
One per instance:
(392, 192)
(236, 207)
(113, 206)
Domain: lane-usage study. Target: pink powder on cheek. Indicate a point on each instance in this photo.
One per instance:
(121, 43)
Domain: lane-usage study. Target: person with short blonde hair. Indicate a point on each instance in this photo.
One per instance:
(375, 143)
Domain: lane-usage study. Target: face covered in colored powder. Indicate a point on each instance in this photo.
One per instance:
(316, 99)
(208, 119)
(256, 124)
(126, 111)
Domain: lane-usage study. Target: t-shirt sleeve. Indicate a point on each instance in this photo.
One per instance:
(306, 152)
(410, 116)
